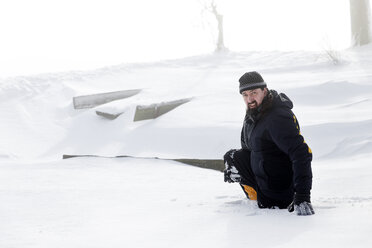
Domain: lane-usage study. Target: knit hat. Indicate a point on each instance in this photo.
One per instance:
(251, 80)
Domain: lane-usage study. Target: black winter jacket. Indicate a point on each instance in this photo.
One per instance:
(280, 158)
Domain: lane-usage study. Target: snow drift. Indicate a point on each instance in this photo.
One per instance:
(100, 202)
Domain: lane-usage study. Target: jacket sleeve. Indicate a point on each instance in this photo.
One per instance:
(285, 133)
(242, 141)
(243, 138)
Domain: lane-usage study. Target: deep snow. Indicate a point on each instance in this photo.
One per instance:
(96, 202)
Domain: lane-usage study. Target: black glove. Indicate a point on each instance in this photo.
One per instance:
(301, 203)
(231, 174)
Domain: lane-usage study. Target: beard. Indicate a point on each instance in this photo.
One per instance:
(252, 105)
(252, 109)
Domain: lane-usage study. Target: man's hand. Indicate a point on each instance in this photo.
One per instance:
(231, 174)
(301, 204)
(304, 208)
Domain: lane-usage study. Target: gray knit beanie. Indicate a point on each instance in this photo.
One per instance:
(251, 80)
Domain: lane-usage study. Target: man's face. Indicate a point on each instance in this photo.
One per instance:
(253, 98)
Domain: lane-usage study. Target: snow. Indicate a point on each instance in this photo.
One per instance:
(128, 202)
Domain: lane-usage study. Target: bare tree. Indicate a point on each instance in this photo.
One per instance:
(211, 7)
(219, 17)
(360, 22)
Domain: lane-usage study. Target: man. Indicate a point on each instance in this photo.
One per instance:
(274, 164)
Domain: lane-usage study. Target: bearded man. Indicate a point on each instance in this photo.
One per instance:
(273, 166)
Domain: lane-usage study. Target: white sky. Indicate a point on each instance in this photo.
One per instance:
(49, 35)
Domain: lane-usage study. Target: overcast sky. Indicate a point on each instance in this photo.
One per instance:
(49, 35)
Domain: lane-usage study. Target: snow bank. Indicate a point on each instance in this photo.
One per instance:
(41, 122)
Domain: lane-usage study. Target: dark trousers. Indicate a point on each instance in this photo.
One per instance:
(242, 162)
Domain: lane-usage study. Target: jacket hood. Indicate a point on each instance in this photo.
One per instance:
(281, 100)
